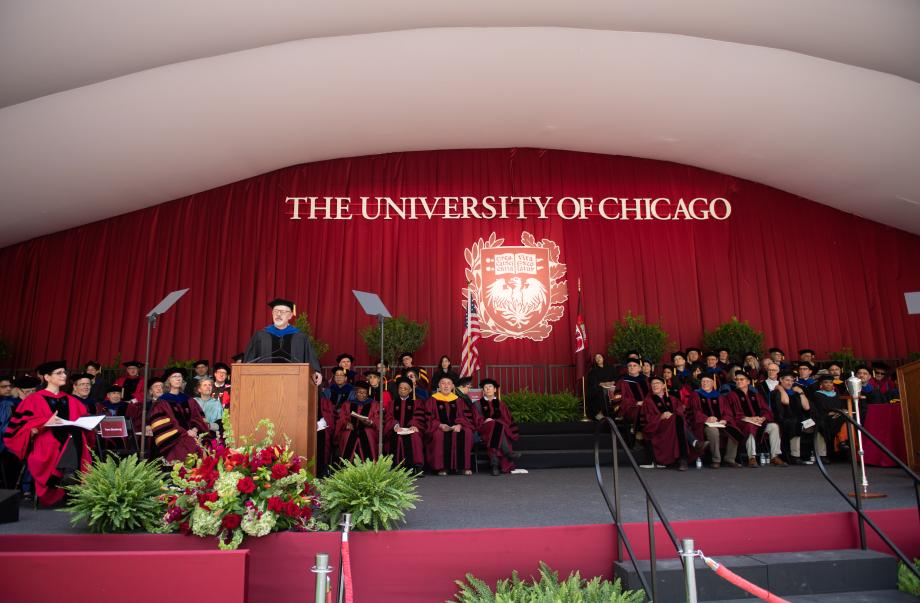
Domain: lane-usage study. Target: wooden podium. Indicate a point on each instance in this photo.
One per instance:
(283, 393)
(909, 387)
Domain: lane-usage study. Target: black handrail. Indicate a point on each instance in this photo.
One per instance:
(616, 440)
(857, 506)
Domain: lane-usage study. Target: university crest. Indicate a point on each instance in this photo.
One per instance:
(518, 291)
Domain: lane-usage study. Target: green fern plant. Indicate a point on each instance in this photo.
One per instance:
(547, 589)
(302, 323)
(847, 357)
(118, 495)
(907, 581)
(376, 493)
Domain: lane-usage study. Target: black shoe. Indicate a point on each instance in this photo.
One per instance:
(682, 465)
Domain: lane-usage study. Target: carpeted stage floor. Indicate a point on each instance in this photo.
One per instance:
(552, 497)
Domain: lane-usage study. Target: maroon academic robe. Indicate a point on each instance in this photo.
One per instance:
(325, 436)
(633, 391)
(749, 404)
(48, 444)
(361, 440)
(170, 419)
(492, 432)
(449, 450)
(665, 434)
(700, 408)
(406, 449)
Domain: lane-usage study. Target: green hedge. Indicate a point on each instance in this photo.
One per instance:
(532, 407)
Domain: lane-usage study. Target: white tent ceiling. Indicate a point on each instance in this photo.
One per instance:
(111, 105)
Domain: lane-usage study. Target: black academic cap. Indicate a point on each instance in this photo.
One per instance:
(363, 385)
(786, 374)
(746, 354)
(880, 366)
(860, 367)
(237, 357)
(341, 357)
(173, 371)
(135, 363)
(404, 354)
(46, 368)
(445, 376)
(371, 373)
(655, 378)
(633, 353)
(806, 351)
(805, 363)
(776, 351)
(94, 364)
(411, 369)
(464, 381)
(6, 378)
(26, 382)
(221, 365)
(154, 381)
(710, 354)
(402, 380)
(632, 361)
(667, 366)
(697, 350)
(678, 353)
(836, 363)
(113, 388)
(707, 376)
(720, 350)
(743, 374)
(200, 362)
(281, 302)
(823, 378)
(77, 376)
(486, 382)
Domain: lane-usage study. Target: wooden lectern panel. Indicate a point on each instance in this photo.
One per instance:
(283, 393)
(909, 386)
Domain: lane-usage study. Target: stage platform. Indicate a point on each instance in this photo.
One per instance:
(559, 497)
(492, 525)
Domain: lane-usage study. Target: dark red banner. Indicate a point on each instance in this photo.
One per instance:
(802, 272)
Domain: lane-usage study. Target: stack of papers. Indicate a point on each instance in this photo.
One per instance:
(87, 423)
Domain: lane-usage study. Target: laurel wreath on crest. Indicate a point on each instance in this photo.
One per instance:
(558, 293)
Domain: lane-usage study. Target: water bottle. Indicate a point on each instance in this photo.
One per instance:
(763, 458)
(699, 463)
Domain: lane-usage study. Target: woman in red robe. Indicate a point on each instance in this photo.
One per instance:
(666, 427)
(449, 430)
(497, 429)
(31, 434)
(132, 382)
(356, 436)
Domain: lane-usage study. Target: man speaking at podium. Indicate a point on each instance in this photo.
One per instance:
(281, 341)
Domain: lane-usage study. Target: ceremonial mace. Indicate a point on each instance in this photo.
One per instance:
(854, 387)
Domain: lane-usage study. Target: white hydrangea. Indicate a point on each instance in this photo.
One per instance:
(226, 485)
(204, 523)
(259, 526)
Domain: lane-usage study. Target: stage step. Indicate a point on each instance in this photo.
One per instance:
(798, 574)
(559, 441)
(555, 459)
(865, 596)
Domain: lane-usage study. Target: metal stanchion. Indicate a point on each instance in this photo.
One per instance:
(322, 571)
(688, 554)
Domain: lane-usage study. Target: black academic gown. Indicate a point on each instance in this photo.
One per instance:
(293, 347)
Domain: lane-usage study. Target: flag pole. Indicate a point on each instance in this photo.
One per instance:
(584, 395)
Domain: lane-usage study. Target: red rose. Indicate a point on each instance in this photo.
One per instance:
(275, 504)
(246, 485)
(295, 465)
(291, 509)
(279, 471)
(185, 528)
(306, 513)
(231, 521)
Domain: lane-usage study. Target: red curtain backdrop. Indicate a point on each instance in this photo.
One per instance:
(802, 272)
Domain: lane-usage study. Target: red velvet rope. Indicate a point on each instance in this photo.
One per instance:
(726, 574)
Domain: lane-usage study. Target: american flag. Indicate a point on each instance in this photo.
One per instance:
(469, 359)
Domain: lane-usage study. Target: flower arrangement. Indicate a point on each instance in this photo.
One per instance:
(232, 493)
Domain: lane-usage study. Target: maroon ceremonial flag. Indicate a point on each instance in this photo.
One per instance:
(581, 344)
